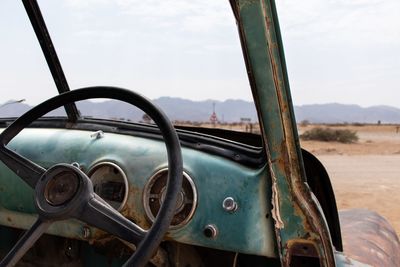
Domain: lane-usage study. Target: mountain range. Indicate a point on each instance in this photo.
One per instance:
(226, 111)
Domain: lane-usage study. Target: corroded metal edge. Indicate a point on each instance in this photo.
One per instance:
(298, 216)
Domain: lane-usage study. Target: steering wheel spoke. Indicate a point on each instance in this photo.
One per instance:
(25, 243)
(98, 213)
(29, 171)
(63, 191)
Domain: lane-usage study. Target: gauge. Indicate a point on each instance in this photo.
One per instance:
(110, 183)
(154, 195)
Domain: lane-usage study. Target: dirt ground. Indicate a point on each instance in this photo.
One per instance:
(365, 174)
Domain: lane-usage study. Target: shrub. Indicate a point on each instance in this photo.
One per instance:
(304, 123)
(358, 124)
(327, 135)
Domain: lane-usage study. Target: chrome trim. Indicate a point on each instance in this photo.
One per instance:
(146, 196)
(210, 231)
(229, 204)
(124, 177)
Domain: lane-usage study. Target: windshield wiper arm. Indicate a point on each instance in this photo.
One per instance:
(43, 36)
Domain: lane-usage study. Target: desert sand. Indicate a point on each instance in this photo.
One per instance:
(365, 174)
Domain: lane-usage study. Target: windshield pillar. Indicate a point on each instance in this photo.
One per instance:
(43, 36)
(299, 220)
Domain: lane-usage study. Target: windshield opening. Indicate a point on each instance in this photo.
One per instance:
(186, 56)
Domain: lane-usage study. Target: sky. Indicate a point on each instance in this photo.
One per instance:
(336, 50)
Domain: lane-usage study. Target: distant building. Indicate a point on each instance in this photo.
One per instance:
(245, 120)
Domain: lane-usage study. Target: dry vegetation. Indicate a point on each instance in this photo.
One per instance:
(327, 134)
(365, 174)
(373, 140)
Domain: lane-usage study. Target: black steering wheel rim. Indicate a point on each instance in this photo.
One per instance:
(160, 226)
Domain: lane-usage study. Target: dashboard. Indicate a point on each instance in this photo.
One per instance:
(224, 202)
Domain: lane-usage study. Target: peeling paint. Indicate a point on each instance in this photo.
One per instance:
(275, 198)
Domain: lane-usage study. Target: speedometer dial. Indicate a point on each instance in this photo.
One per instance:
(110, 183)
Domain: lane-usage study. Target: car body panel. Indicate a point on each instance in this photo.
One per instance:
(369, 238)
(278, 215)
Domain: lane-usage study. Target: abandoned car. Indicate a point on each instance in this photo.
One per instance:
(84, 191)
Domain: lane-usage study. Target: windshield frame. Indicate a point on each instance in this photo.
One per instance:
(43, 36)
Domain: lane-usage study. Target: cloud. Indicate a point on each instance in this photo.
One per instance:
(343, 51)
(193, 16)
(341, 21)
(346, 47)
(101, 36)
(79, 4)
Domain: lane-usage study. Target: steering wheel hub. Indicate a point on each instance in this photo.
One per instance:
(61, 188)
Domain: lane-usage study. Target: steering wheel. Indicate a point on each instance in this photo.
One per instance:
(63, 191)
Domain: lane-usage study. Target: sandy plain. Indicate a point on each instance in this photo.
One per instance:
(365, 174)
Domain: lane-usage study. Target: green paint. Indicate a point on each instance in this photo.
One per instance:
(297, 216)
(248, 230)
(269, 109)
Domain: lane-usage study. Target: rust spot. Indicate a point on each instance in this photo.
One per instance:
(268, 23)
(301, 250)
(133, 209)
(8, 219)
